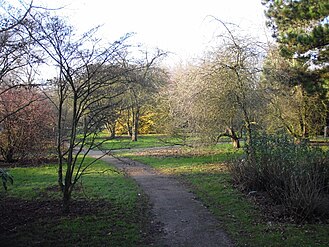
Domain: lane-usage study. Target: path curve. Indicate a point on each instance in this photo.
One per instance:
(185, 221)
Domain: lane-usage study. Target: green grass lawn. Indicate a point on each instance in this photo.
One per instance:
(144, 141)
(210, 180)
(114, 211)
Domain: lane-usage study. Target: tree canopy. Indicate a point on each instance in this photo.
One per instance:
(301, 28)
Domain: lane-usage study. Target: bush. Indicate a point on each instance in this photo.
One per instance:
(294, 175)
(27, 123)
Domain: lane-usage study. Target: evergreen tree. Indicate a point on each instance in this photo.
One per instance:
(301, 27)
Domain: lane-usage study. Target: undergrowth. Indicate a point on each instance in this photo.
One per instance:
(294, 175)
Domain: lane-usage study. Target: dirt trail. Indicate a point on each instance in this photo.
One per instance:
(185, 221)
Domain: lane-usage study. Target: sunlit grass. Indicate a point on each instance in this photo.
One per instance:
(144, 141)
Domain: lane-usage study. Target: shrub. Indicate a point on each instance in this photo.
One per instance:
(294, 175)
(27, 123)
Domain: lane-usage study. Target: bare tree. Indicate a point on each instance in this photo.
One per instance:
(237, 63)
(19, 56)
(88, 83)
(16, 47)
(143, 82)
(11, 17)
(27, 133)
(219, 96)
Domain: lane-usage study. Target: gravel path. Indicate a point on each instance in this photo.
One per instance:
(185, 221)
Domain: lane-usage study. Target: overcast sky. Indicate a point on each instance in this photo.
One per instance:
(179, 26)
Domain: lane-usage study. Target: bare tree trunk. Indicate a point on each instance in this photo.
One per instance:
(134, 136)
(59, 143)
(236, 142)
(234, 138)
(111, 129)
(67, 198)
(68, 186)
(9, 155)
(129, 130)
(112, 133)
(129, 127)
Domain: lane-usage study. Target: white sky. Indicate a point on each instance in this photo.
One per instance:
(177, 26)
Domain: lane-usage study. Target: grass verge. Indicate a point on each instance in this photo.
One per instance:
(209, 179)
(108, 209)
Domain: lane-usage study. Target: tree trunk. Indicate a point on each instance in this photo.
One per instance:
(59, 137)
(9, 157)
(112, 134)
(111, 129)
(8, 152)
(129, 127)
(68, 186)
(67, 198)
(236, 142)
(134, 136)
(234, 138)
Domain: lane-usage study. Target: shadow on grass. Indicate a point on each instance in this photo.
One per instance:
(90, 222)
(108, 209)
